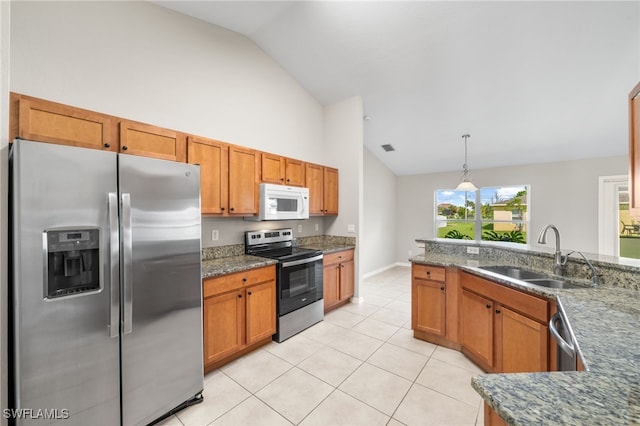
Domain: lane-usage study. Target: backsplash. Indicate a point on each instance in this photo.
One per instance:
(218, 252)
(612, 271)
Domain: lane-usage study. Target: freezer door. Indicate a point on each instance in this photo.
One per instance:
(161, 286)
(64, 307)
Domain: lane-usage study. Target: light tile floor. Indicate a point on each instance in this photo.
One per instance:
(360, 366)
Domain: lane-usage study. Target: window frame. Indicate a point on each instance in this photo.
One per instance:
(478, 221)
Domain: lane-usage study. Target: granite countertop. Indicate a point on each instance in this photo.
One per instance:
(605, 321)
(328, 246)
(226, 265)
(231, 260)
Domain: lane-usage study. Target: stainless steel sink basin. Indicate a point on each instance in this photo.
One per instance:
(552, 283)
(514, 272)
(530, 277)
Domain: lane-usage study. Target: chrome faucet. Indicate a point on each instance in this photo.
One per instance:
(594, 274)
(558, 263)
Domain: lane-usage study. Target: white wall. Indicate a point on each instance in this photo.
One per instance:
(379, 212)
(143, 62)
(344, 145)
(562, 193)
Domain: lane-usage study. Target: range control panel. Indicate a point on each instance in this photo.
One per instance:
(253, 238)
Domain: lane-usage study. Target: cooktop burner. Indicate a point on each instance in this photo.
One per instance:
(276, 244)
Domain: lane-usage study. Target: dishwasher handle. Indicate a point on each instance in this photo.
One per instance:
(567, 347)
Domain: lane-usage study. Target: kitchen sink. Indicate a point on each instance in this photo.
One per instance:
(514, 272)
(530, 277)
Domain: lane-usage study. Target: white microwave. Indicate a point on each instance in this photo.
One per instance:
(279, 202)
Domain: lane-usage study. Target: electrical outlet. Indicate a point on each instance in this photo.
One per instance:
(473, 250)
(473, 263)
(299, 229)
(215, 234)
(351, 228)
(317, 227)
(410, 253)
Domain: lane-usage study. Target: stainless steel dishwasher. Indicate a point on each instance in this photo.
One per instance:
(561, 331)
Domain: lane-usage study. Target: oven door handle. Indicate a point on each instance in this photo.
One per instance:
(301, 261)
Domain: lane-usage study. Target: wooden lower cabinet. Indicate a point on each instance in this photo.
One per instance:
(503, 330)
(428, 299)
(491, 418)
(338, 279)
(522, 344)
(239, 314)
(477, 329)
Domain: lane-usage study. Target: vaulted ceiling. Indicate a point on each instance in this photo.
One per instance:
(529, 81)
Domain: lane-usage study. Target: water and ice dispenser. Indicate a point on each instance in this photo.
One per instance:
(72, 261)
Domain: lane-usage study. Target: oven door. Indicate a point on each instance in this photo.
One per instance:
(299, 283)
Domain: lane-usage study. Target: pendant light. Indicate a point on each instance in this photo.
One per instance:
(465, 185)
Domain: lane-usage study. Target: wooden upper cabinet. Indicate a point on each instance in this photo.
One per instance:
(323, 189)
(330, 191)
(273, 168)
(634, 151)
(213, 158)
(151, 141)
(315, 182)
(282, 170)
(44, 121)
(294, 172)
(244, 174)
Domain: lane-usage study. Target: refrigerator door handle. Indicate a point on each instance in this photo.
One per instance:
(114, 268)
(127, 265)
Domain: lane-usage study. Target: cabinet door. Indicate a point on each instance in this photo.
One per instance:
(521, 343)
(477, 327)
(213, 158)
(152, 141)
(330, 191)
(46, 121)
(223, 325)
(314, 180)
(347, 279)
(273, 168)
(243, 181)
(331, 285)
(429, 309)
(294, 172)
(261, 311)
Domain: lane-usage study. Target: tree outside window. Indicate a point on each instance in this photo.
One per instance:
(502, 215)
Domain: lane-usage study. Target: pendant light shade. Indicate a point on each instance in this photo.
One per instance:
(465, 185)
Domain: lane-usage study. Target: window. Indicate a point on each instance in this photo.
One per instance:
(502, 214)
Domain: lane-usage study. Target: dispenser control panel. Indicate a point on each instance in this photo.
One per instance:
(72, 261)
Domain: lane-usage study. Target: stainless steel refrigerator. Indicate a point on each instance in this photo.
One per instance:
(105, 294)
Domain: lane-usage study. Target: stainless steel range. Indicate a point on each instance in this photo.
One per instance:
(299, 279)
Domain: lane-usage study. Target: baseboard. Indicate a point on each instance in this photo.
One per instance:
(385, 268)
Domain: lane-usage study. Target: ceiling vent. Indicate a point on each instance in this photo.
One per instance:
(388, 147)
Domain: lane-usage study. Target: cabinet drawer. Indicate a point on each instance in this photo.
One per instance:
(428, 272)
(237, 280)
(529, 305)
(337, 257)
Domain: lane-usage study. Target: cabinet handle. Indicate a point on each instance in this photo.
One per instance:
(249, 293)
(442, 288)
(244, 280)
(231, 209)
(488, 306)
(239, 296)
(221, 209)
(428, 273)
(498, 311)
(124, 148)
(107, 145)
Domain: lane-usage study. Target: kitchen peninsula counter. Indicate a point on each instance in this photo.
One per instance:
(605, 322)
